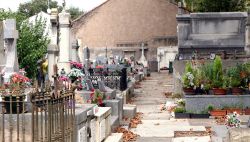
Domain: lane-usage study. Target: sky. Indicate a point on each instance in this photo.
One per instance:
(85, 5)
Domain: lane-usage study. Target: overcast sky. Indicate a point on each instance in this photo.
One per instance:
(85, 5)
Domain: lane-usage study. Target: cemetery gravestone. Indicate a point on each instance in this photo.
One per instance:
(10, 37)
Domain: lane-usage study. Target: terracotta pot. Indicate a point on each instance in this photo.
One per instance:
(218, 112)
(232, 110)
(219, 91)
(236, 91)
(189, 91)
(247, 111)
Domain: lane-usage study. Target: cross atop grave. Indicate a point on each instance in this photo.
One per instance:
(143, 59)
(10, 38)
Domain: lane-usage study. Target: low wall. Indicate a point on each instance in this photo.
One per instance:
(198, 103)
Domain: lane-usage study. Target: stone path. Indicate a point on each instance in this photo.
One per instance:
(157, 125)
(148, 100)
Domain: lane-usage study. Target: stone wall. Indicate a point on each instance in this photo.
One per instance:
(210, 32)
(199, 103)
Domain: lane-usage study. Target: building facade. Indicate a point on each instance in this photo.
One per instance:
(121, 26)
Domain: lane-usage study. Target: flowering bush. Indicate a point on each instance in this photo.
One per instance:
(232, 120)
(76, 65)
(188, 80)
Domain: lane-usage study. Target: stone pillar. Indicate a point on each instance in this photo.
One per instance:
(247, 47)
(53, 47)
(64, 41)
(10, 37)
(52, 53)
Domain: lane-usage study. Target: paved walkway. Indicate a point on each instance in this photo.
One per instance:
(157, 125)
(148, 100)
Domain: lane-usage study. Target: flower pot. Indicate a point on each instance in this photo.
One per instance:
(237, 91)
(219, 91)
(247, 111)
(181, 115)
(193, 115)
(218, 112)
(189, 91)
(232, 110)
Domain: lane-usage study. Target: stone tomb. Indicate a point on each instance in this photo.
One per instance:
(101, 125)
(211, 32)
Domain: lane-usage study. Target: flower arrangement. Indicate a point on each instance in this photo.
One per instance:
(188, 77)
(17, 81)
(232, 120)
(96, 97)
(74, 74)
(76, 65)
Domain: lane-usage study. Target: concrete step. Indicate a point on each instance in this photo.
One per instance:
(129, 111)
(114, 137)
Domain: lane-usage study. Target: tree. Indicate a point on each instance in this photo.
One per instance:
(32, 45)
(75, 12)
(8, 14)
(35, 6)
(215, 5)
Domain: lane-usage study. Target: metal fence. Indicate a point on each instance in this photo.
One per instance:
(51, 117)
(13, 117)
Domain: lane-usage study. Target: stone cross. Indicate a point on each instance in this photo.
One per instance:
(143, 59)
(10, 38)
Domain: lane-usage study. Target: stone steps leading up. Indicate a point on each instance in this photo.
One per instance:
(114, 137)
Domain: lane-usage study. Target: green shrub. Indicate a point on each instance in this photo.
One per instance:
(179, 110)
(217, 73)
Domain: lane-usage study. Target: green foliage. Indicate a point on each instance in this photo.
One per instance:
(216, 5)
(33, 7)
(32, 45)
(207, 75)
(234, 77)
(210, 107)
(179, 110)
(217, 73)
(75, 12)
(8, 14)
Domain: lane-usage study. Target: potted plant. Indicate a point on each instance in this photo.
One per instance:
(233, 74)
(188, 80)
(206, 77)
(217, 80)
(216, 112)
(232, 120)
(180, 112)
